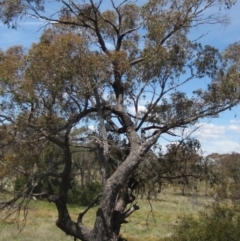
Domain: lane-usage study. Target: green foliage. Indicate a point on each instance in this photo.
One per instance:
(19, 183)
(77, 195)
(220, 224)
(225, 169)
(83, 195)
(22, 182)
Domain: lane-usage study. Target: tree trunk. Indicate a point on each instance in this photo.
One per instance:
(107, 228)
(117, 195)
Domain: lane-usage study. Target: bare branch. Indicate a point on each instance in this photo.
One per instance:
(90, 205)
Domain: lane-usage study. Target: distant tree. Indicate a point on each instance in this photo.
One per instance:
(99, 66)
(227, 179)
(184, 163)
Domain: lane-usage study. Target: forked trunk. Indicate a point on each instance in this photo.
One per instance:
(113, 211)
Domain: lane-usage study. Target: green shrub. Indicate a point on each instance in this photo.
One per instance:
(22, 181)
(83, 195)
(19, 183)
(219, 224)
(77, 195)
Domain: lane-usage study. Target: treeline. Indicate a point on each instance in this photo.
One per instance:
(181, 164)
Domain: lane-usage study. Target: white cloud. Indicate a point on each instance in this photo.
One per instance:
(235, 128)
(209, 131)
(110, 46)
(218, 138)
(92, 128)
(234, 122)
(141, 108)
(222, 145)
(212, 139)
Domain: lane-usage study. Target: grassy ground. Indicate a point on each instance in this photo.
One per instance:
(156, 219)
(152, 222)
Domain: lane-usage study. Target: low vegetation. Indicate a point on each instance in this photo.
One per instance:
(221, 223)
(168, 212)
(155, 220)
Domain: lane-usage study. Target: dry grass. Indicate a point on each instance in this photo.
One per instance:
(156, 219)
(152, 222)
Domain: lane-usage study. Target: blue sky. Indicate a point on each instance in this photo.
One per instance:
(221, 134)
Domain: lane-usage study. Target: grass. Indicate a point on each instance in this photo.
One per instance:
(152, 222)
(156, 219)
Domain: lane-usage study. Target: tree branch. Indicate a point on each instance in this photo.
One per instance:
(90, 205)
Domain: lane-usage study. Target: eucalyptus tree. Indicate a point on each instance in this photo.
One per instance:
(184, 163)
(226, 175)
(121, 67)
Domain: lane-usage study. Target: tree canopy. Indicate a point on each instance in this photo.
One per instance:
(98, 66)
